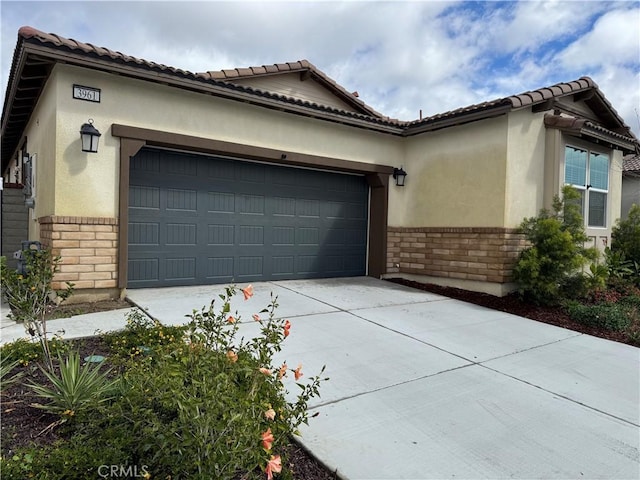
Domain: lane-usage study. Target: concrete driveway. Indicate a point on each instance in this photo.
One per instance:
(425, 387)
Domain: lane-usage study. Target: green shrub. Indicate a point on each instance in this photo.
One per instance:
(78, 458)
(141, 336)
(631, 301)
(609, 316)
(557, 250)
(625, 236)
(25, 351)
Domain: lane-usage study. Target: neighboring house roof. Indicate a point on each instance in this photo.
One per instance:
(37, 52)
(631, 164)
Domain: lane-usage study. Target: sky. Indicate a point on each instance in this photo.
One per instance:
(402, 57)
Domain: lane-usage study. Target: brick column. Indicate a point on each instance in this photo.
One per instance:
(88, 247)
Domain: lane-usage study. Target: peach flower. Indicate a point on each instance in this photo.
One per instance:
(287, 327)
(232, 356)
(273, 466)
(267, 439)
(248, 292)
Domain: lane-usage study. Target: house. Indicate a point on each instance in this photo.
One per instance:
(277, 172)
(630, 183)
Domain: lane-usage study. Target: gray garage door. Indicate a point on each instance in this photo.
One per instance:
(201, 220)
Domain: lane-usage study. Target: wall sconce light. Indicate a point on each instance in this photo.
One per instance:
(89, 135)
(399, 174)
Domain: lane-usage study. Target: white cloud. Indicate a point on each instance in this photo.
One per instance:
(401, 56)
(614, 39)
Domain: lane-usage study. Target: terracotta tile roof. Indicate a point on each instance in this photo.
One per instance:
(28, 33)
(298, 66)
(52, 48)
(528, 99)
(560, 89)
(631, 163)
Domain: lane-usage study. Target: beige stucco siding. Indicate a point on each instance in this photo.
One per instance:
(614, 209)
(525, 170)
(456, 178)
(41, 138)
(87, 184)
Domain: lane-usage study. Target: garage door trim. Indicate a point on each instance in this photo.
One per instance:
(132, 139)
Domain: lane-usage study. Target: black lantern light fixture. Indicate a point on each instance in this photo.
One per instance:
(399, 174)
(89, 135)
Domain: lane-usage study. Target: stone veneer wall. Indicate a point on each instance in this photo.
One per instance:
(481, 254)
(88, 247)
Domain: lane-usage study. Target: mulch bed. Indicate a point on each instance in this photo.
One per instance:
(513, 304)
(23, 425)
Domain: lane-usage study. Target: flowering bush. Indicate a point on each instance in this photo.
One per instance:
(206, 405)
(142, 336)
(218, 404)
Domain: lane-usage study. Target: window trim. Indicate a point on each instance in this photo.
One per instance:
(587, 188)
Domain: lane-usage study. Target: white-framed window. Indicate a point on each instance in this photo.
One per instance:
(588, 172)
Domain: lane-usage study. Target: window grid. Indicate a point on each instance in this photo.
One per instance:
(588, 172)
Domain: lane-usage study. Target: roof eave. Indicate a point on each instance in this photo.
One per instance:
(455, 119)
(211, 87)
(583, 128)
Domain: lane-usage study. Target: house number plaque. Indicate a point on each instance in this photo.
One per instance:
(88, 94)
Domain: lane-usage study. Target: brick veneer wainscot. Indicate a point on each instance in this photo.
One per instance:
(88, 247)
(473, 253)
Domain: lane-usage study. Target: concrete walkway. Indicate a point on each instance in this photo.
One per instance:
(425, 387)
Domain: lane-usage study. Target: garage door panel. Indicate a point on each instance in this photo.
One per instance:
(221, 202)
(212, 220)
(181, 234)
(220, 235)
(220, 269)
(187, 166)
(144, 197)
(250, 266)
(143, 271)
(144, 233)
(251, 235)
(220, 169)
(181, 200)
(250, 204)
(180, 268)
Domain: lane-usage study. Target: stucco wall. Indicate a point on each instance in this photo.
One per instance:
(86, 184)
(456, 178)
(525, 166)
(41, 140)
